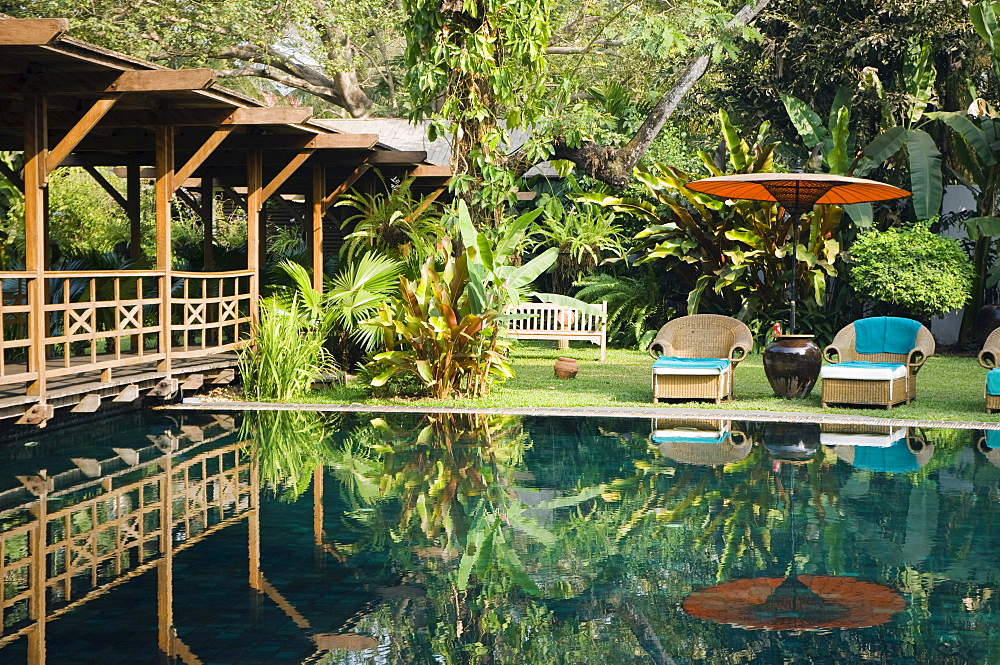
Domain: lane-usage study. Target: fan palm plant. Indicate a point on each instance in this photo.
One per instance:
(396, 224)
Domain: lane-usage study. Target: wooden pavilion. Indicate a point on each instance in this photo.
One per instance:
(77, 338)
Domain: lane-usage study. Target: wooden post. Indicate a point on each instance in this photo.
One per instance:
(255, 239)
(164, 254)
(317, 214)
(207, 221)
(133, 195)
(35, 155)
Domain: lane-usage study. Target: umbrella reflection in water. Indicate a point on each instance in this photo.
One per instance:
(799, 603)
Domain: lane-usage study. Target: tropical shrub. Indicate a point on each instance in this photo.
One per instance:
(911, 268)
(348, 300)
(437, 332)
(582, 234)
(395, 223)
(637, 306)
(447, 326)
(735, 257)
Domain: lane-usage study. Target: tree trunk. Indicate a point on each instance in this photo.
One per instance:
(613, 165)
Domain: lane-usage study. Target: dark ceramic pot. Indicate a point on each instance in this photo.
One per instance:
(565, 368)
(987, 320)
(791, 364)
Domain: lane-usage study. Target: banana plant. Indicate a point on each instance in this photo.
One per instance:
(976, 147)
(837, 142)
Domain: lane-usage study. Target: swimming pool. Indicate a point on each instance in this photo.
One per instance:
(292, 537)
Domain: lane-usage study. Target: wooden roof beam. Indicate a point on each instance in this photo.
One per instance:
(431, 171)
(329, 199)
(78, 132)
(272, 187)
(31, 31)
(399, 156)
(273, 115)
(200, 155)
(343, 141)
(153, 80)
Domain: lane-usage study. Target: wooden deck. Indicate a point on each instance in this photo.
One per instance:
(126, 386)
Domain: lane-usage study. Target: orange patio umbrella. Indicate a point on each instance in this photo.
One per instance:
(801, 603)
(797, 193)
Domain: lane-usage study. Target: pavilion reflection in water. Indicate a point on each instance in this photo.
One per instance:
(71, 538)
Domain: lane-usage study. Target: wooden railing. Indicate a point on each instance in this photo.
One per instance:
(101, 320)
(211, 312)
(14, 339)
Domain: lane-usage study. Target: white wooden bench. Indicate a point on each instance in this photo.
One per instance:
(548, 321)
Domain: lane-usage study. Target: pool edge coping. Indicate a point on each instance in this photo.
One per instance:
(592, 411)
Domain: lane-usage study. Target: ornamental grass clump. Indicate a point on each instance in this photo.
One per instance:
(911, 269)
(288, 354)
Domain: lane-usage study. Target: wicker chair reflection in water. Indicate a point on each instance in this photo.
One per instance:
(988, 358)
(700, 442)
(695, 357)
(873, 379)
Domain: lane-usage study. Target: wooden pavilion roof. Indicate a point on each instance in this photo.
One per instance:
(104, 106)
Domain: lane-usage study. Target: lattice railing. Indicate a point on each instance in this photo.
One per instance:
(97, 535)
(15, 341)
(98, 320)
(211, 312)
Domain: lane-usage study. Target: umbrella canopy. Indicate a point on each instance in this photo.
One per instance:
(797, 192)
(799, 603)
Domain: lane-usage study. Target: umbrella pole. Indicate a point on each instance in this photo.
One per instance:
(793, 291)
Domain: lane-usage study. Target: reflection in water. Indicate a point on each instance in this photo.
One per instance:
(485, 539)
(796, 603)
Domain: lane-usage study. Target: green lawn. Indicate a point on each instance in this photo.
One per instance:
(948, 387)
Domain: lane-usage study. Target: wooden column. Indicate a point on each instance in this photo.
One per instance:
(133, 196)
(255, 240)
(207, 222)
(317, 213)
(164, 254)
(35, 156)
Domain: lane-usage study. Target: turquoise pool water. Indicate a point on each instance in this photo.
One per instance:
(300, 538)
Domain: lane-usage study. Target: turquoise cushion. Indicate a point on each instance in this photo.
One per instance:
(664, 362)
(993, 382)
(690, 439)
(896, 458)
(993, 439)
(885, 334)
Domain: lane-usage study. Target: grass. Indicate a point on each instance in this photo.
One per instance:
(948, 387)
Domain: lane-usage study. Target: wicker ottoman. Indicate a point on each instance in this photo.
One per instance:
(866, 384)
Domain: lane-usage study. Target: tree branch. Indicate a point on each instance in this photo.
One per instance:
(613, 165)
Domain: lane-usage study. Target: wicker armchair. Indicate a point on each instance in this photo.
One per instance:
(888, 392)
(699, 336)
(988, 358)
